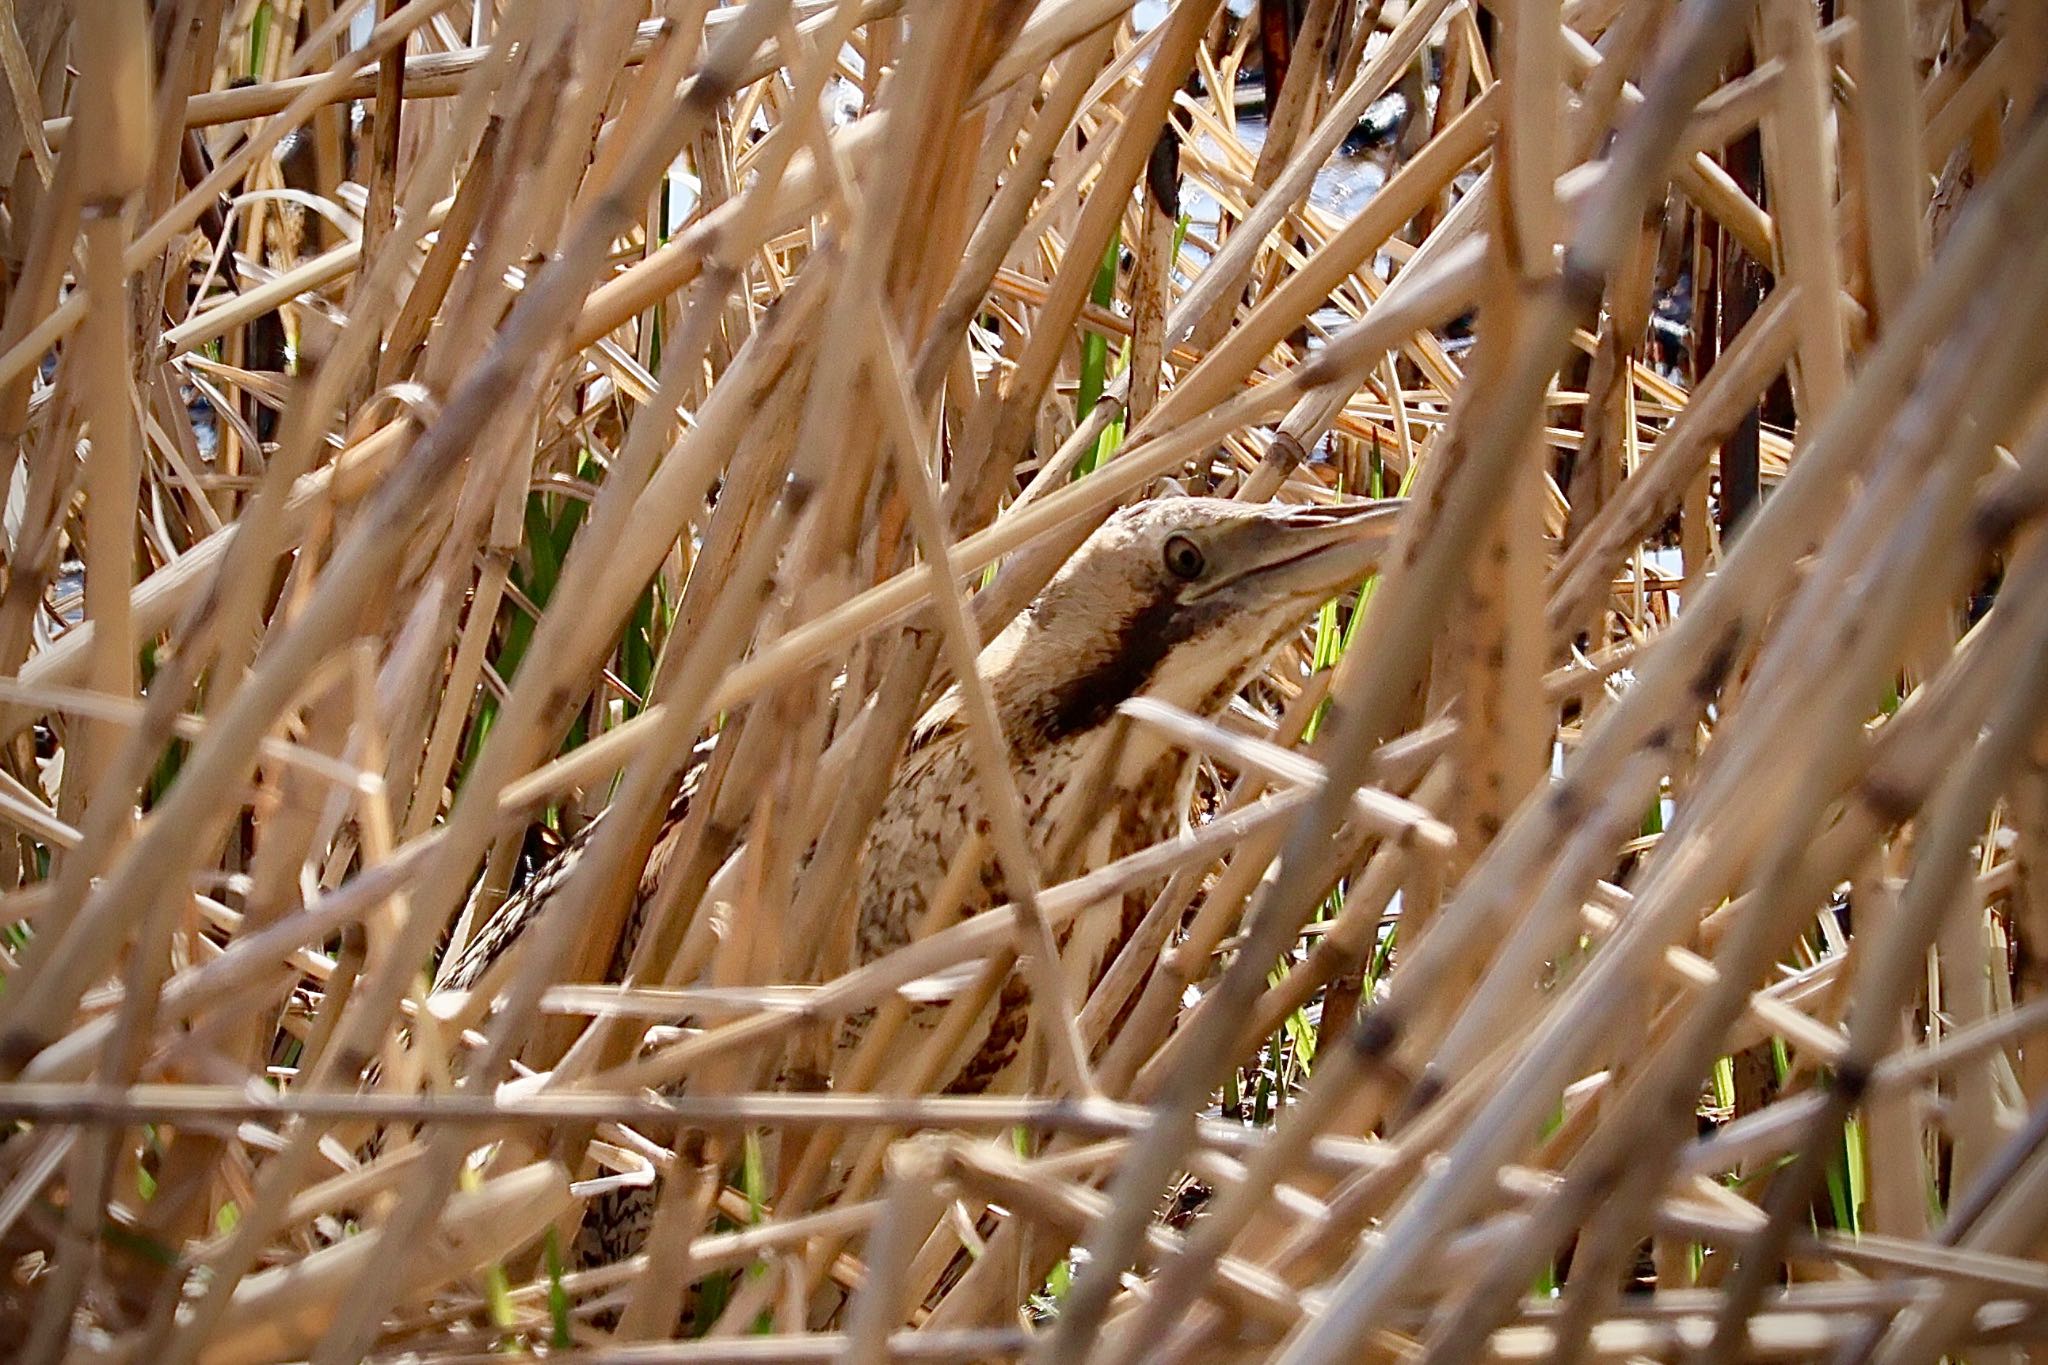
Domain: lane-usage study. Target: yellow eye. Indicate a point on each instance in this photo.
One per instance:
(1184, 558)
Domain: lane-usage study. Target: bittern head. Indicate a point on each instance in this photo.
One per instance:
(1182, 599)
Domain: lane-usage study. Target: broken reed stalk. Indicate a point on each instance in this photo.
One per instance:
(679, 395)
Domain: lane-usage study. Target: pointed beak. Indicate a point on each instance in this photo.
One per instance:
(1310, 553)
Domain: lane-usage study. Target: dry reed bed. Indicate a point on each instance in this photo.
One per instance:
(449, 477)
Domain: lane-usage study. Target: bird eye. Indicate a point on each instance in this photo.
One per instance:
(1184, 558)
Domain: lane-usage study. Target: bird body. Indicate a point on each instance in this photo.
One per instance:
(1181, 599)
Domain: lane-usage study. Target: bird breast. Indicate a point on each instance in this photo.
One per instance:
(936, 803)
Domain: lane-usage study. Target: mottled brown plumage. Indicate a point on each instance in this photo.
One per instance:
(1182, 599)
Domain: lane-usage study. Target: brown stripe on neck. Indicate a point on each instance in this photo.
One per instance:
(1143, 640)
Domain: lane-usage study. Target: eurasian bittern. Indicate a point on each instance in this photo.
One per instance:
(1181, 599)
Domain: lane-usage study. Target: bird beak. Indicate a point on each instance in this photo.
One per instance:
(1311, 552)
